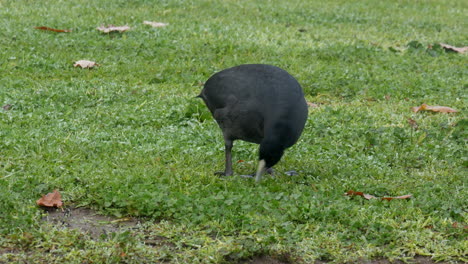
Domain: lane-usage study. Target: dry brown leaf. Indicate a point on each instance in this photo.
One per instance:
(415, 109)
(413, 123)
(312, 105)
(354, 193)
(440, 109)
(155, 24)
(7, 107)
(112, 28)
(53, 29)
(455, 49)
(85, 64)
(53, 199)
(369, 196)
(397, 197)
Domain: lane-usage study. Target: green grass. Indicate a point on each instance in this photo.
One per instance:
(129, 139)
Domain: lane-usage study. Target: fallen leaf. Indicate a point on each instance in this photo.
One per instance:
(397, 197)
(53, 29)
(7, 107)
(239, 161)
(388, 97)
(440, 109)
(452, 48)
(85, 64)
(53, 199)
(312, 105)
(415, 109)
(413, 123)
(112, 28)
(353, 193)
(155, 24)
(369, 196)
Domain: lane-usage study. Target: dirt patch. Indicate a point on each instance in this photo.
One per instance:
(416, 260)
(89, 221)
(264, 260)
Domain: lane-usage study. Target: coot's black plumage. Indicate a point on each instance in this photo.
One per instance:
(257, 103)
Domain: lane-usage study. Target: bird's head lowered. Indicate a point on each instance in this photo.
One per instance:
(271, 152)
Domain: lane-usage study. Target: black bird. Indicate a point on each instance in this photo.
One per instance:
(257, 103)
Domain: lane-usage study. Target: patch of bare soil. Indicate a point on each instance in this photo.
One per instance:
(88, 221)
(416, 260)
(264, 260)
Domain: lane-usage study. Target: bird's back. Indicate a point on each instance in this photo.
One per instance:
(250, 101)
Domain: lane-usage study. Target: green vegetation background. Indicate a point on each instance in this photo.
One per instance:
(129, 139)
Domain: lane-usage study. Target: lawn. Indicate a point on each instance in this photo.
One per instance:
(128, 138)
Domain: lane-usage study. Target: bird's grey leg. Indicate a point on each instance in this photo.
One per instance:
(228, 156)
(228, 147)
(261, 169)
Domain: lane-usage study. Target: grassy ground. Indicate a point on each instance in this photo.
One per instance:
(129, 139)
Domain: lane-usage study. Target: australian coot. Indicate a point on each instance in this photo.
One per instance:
(257, 103)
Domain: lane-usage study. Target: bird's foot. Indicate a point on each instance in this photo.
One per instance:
(270, 171)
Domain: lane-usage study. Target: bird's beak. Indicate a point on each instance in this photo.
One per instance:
(261, 169)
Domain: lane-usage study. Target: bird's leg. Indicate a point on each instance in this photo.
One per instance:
(261, 169)
(228, 147)
(228, 169)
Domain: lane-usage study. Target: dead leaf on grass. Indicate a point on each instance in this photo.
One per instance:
(7, 107)
(413, 123)
(53, 29)
(312, 105)
(85, 64)
(112, 28)
(440, 109)
(454, 49)
(457, 225)
(155, 24)
(369, 196)
(407, 196)
(53, 199)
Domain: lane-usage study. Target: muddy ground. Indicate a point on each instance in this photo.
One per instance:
(88, 221)
(95, 225)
